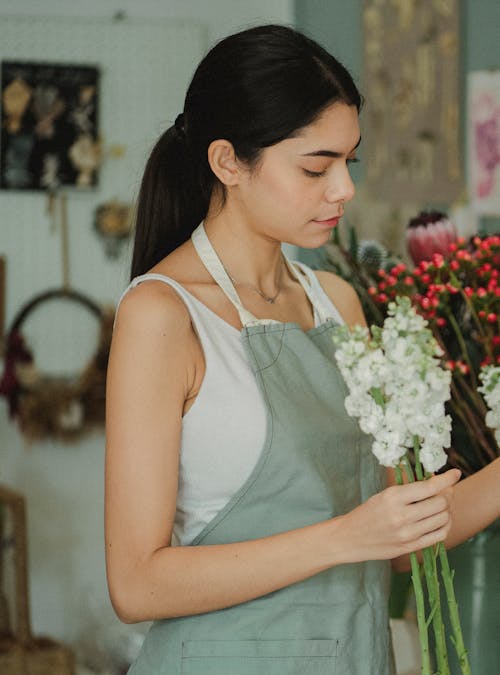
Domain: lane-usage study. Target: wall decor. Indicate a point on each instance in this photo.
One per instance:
(49, 126)
(411, 87)
(113, 223)
(44, 406)
(483, 134)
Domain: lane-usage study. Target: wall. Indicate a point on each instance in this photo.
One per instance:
(220, 17)
(64, 485)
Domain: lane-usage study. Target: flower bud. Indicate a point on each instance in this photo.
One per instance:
(429, 234)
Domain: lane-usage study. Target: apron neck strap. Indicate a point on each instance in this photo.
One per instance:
(213, 263)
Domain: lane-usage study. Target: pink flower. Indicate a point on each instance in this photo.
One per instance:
(429, 234)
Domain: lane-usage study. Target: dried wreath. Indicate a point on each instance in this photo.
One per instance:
(56, 407)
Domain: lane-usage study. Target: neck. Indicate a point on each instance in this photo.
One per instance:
(248, 255)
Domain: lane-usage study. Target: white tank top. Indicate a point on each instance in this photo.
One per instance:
(224, 430)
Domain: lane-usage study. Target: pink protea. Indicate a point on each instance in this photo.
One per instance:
(428, 234)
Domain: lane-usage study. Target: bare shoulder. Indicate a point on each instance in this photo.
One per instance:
(153, 337)
(343, 296)
(153, 307)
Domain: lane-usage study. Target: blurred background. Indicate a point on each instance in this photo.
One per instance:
(86, 89)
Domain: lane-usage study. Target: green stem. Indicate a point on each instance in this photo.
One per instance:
(470, 306)
(458, 640)
(475, 398)
(432, 581)
(463, 346)
(419, 601)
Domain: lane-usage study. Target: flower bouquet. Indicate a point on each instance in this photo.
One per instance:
(455, 286)
(397, 389)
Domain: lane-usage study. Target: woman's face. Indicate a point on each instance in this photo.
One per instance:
(297, 191)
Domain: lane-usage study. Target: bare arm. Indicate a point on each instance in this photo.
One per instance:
(475, 503)
(152, 372)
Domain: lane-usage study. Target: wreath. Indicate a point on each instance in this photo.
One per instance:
(56, 407)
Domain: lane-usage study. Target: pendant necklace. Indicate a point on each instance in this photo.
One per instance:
(267, 298)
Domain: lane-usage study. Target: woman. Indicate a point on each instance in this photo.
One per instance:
(226, 430)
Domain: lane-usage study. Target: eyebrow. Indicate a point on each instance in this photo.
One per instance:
(329, 153)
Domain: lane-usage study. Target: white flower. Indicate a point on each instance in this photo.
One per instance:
(490, 377)
(397, 387)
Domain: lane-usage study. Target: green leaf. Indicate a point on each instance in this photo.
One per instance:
(378, 396)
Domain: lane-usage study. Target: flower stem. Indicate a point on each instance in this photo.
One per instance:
(457, 639)
(419, 601)
(432, 581)
(463, 346)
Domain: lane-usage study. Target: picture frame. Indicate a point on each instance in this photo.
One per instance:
(49, 123)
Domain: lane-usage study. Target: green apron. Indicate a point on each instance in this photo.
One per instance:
(315, 464)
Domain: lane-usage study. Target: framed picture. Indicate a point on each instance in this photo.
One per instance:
(49, 126)
(411, 120)
(483, 133)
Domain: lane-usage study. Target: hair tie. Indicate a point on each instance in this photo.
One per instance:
(179, 126)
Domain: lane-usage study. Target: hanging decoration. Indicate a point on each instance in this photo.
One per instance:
(113, 223)
(411, 85)
(49, 126)
(60, 408)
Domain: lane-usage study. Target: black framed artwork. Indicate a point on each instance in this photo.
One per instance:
(49, 123)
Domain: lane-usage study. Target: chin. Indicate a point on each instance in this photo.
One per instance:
(314, 241)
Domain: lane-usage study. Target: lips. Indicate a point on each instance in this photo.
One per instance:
(329, 222)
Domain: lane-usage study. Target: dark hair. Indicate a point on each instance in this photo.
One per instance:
(254, 88)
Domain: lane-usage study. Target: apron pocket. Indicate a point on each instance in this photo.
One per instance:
(256, 657)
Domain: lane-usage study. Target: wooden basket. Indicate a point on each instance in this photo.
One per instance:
(20, 652)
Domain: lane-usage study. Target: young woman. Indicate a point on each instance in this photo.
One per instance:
(244, 509)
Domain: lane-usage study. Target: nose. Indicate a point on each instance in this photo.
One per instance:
(340, 187)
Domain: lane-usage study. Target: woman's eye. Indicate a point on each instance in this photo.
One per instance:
(314, 174)
(352, 160)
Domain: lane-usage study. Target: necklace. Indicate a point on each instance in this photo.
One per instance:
(268, 298)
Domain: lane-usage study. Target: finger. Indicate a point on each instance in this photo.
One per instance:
(432, 538)
(428, 507)
(429, 525)
(423, 489)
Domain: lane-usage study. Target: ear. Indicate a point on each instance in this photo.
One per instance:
(223, 161)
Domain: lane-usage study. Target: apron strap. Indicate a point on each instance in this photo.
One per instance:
(214, 265)
(306, 279)
(212, 262)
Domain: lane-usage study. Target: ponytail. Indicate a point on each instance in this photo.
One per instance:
(171, 203)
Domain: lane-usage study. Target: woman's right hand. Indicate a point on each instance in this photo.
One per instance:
(399, 520)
